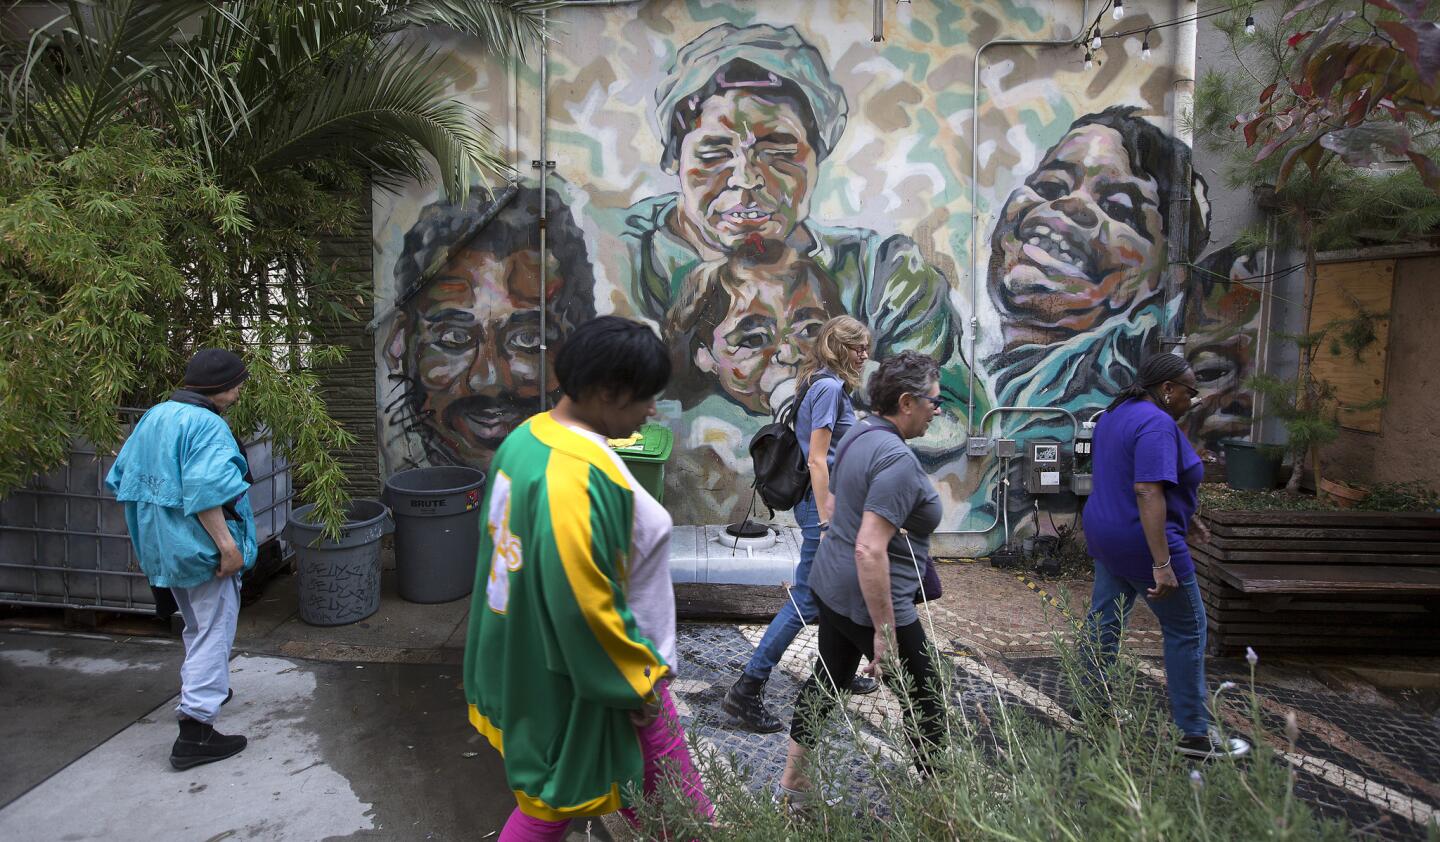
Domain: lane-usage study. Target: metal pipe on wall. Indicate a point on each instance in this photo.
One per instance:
(1038, 410)
(545, 183)
(1177, 272)
(544, 208)
(975, 182)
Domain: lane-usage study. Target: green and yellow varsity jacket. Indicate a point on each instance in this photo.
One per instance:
(553, 659)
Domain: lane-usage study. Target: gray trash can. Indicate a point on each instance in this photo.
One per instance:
(437, 531)
(340, 580)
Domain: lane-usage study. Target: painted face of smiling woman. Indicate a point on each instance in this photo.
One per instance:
(747, 169)
(1082, 240)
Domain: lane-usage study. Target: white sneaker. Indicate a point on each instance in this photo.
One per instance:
(1212, 746)
(801, 799)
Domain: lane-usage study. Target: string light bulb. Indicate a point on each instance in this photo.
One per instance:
(1118, 11)
(1249, 24)
(1095, 43)
(1089, 61)
(902, 12)
(1145, 46)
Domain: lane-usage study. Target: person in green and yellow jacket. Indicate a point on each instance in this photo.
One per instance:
(571, 643)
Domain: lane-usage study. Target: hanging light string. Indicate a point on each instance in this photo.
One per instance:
(1180, 21)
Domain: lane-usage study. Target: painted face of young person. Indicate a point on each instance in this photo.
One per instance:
(768, 329)
(746, 170)
(1081, 241)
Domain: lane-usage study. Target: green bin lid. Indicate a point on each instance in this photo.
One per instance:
(654, 445)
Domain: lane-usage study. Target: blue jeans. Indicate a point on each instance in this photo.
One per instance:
(1182, 625)
(788, 621)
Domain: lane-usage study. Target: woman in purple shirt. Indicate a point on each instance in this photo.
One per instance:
(1140, 512)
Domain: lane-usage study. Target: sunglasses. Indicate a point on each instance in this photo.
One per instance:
(1194, 392)
(935, 402)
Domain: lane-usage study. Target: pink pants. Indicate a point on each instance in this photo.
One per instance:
(662, 743)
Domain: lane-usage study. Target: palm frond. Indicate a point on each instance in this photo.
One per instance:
(78, 80)
(384, 99)
(505, 27)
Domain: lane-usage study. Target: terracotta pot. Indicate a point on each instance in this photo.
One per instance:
(1343, 494)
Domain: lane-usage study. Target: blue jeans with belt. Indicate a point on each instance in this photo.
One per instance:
(1182, 625)
(788, 621)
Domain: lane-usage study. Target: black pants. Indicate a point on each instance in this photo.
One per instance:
(842, 643)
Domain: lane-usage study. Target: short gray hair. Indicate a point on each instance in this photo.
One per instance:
(905, 373)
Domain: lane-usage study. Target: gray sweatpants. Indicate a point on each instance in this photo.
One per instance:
(211, 611)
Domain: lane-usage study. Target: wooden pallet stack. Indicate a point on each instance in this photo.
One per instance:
(1284, 581)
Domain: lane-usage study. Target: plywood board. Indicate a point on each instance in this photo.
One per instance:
(1339, 289)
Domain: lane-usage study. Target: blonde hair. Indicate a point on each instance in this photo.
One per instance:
(832, 350)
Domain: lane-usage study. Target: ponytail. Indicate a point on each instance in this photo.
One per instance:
(1152, 372)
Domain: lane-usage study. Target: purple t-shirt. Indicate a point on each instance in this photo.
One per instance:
(1138, 442)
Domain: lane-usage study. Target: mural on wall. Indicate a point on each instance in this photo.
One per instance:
(1222, 326)
(462, 355)
(736, 174)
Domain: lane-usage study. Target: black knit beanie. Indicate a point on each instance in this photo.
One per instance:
(213, 370)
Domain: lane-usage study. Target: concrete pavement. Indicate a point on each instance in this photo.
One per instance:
(337, 750)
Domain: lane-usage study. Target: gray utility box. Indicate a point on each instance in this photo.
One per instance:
(1044, 466)
(63, 541)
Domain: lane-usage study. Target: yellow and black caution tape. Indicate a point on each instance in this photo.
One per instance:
(1048, 599)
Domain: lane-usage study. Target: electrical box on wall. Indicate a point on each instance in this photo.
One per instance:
(1083, 481)
(1043, 466)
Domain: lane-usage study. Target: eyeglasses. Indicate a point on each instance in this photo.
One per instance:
(859, 349)
(935, 402)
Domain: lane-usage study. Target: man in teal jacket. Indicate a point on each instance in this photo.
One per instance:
(183, 478)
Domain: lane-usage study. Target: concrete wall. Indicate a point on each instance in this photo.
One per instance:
(848, 190)
(1407, 448)
(1273, 278)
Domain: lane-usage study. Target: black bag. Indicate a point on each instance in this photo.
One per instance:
(781, 476)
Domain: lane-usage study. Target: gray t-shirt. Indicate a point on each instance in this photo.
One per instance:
(876, 473)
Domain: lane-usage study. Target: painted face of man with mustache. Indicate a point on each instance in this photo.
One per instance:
(1081, 241)
(747, 170)
(476, 349)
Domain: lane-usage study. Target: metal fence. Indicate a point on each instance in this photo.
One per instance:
(63, 541)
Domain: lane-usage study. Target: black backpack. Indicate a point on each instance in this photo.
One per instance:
(781, 476)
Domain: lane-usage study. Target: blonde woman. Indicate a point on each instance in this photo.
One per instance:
(823, 414)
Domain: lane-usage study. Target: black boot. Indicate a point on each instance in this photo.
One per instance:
(746, 703)
(200, 743)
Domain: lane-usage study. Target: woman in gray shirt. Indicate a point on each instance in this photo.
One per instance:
(867, 575)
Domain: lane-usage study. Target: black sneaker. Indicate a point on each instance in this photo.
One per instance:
(745, 702)
(199, 743)
(863, 685)
(1212, 746)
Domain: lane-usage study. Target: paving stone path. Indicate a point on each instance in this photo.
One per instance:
(1360, 754)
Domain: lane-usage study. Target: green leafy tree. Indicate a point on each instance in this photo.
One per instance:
(1341, 199)
(170, 171)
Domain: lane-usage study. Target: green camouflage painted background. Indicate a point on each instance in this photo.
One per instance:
(886, 128)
